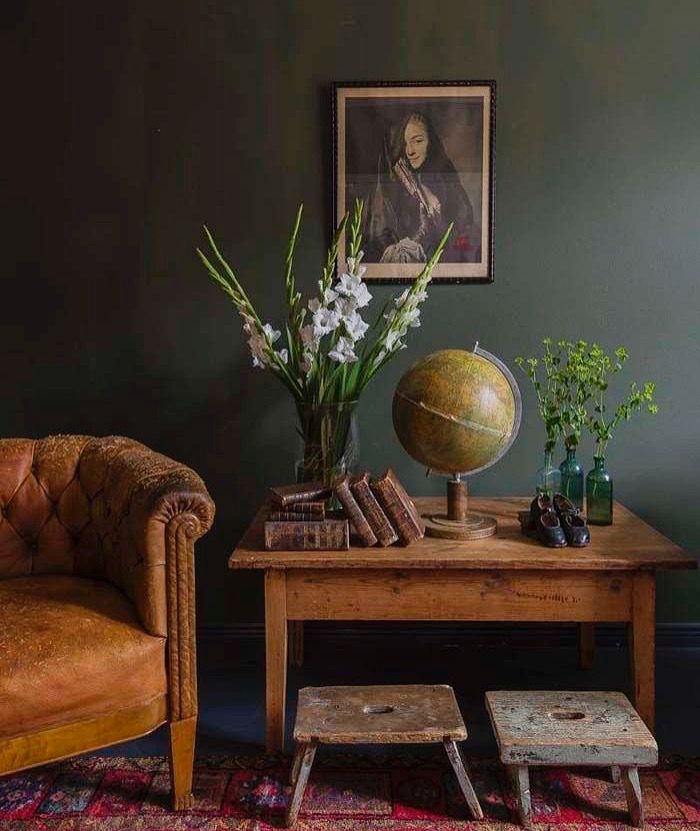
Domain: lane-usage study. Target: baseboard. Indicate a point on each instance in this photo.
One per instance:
(525, 635)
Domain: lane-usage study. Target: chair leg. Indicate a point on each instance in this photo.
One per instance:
(306, 753)
(633, 792)
(465, 784)
(615, 774)
(521, 780)
(182, 737)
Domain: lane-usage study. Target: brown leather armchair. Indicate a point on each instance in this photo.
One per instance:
(97, 625)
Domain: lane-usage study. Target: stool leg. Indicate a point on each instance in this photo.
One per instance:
(465, 784)
(306, 754)
(633, 792)
(615, 774)
(521, 780)
(296, 764)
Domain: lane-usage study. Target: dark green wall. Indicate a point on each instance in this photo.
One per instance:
(134, 123)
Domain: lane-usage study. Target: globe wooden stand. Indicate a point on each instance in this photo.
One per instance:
(458, 523)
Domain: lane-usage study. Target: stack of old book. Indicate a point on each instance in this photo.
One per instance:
(380, 510)
(297, 520)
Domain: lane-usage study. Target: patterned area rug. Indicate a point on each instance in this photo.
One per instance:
(346, 793)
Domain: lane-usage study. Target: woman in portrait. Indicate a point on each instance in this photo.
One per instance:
(417, 194)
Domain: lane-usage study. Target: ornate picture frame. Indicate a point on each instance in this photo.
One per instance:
(421, 155)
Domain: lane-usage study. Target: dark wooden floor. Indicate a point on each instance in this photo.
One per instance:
(232, 694)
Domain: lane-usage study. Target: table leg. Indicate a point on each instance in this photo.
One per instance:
(586, 645)
(642, 640)
(296, 643)
(275, 656)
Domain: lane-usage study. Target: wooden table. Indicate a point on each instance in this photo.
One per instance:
(507, 577)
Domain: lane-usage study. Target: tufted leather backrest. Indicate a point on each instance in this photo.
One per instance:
(59, 511)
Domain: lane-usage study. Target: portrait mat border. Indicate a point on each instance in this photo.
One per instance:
(404, 273)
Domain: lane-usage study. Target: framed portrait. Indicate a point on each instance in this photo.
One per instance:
(420, 155)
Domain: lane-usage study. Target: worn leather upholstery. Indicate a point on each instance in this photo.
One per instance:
(97, 625)
(96, 508)
(72, 648)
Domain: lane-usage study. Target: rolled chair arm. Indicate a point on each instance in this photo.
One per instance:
(148, 511)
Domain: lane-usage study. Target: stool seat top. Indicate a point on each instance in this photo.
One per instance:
(569, 728)
(412, 713)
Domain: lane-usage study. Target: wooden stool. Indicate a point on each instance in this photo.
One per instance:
(597, 729)
(376, 715)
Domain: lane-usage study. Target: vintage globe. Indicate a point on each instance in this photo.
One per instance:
(457, 412)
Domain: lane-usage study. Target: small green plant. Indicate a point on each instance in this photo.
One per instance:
(600, 366)
(549, 383)
(571, 381)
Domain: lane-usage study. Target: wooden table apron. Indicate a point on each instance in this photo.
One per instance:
(508, 578)
(462, 595)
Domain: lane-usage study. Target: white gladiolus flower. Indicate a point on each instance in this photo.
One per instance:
(345, 306)
(411, 317)
(310, 341)
(362, 296)
(306, 363)
(258, 350)
(283, 355)
(343, 352)
(352, 286)
(314, 305)
(272, 334)
(325, 321)
(249, 324)
(355, 326)
(393, 338)
(329, 296)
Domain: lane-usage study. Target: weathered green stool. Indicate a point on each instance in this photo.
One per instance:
(376, 715)
(596, 729)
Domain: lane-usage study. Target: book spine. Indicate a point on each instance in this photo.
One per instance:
(294, 516)
(326, 535)
(287, 495)
(362, 528)
(373, 512)
(400, 516)
(317, 508)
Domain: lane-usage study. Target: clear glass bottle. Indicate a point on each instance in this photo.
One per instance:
(327, 441)
(572, 478)
(548, 477)
(599, 494)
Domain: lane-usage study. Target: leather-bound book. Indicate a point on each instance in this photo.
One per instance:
(316, 508)
(372, 510)
(399, 507)
(323, 535)
(357, 519)
(286, 495)
(294, 516)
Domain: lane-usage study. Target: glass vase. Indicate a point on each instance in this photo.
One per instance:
(328, 441)
(572, 478)
(599, 494)
(548, 477)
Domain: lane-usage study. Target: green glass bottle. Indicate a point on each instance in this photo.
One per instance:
(548, 477)
(599, 494)
(572, 478)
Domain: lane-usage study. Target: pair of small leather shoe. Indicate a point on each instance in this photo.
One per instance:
(557, 522)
